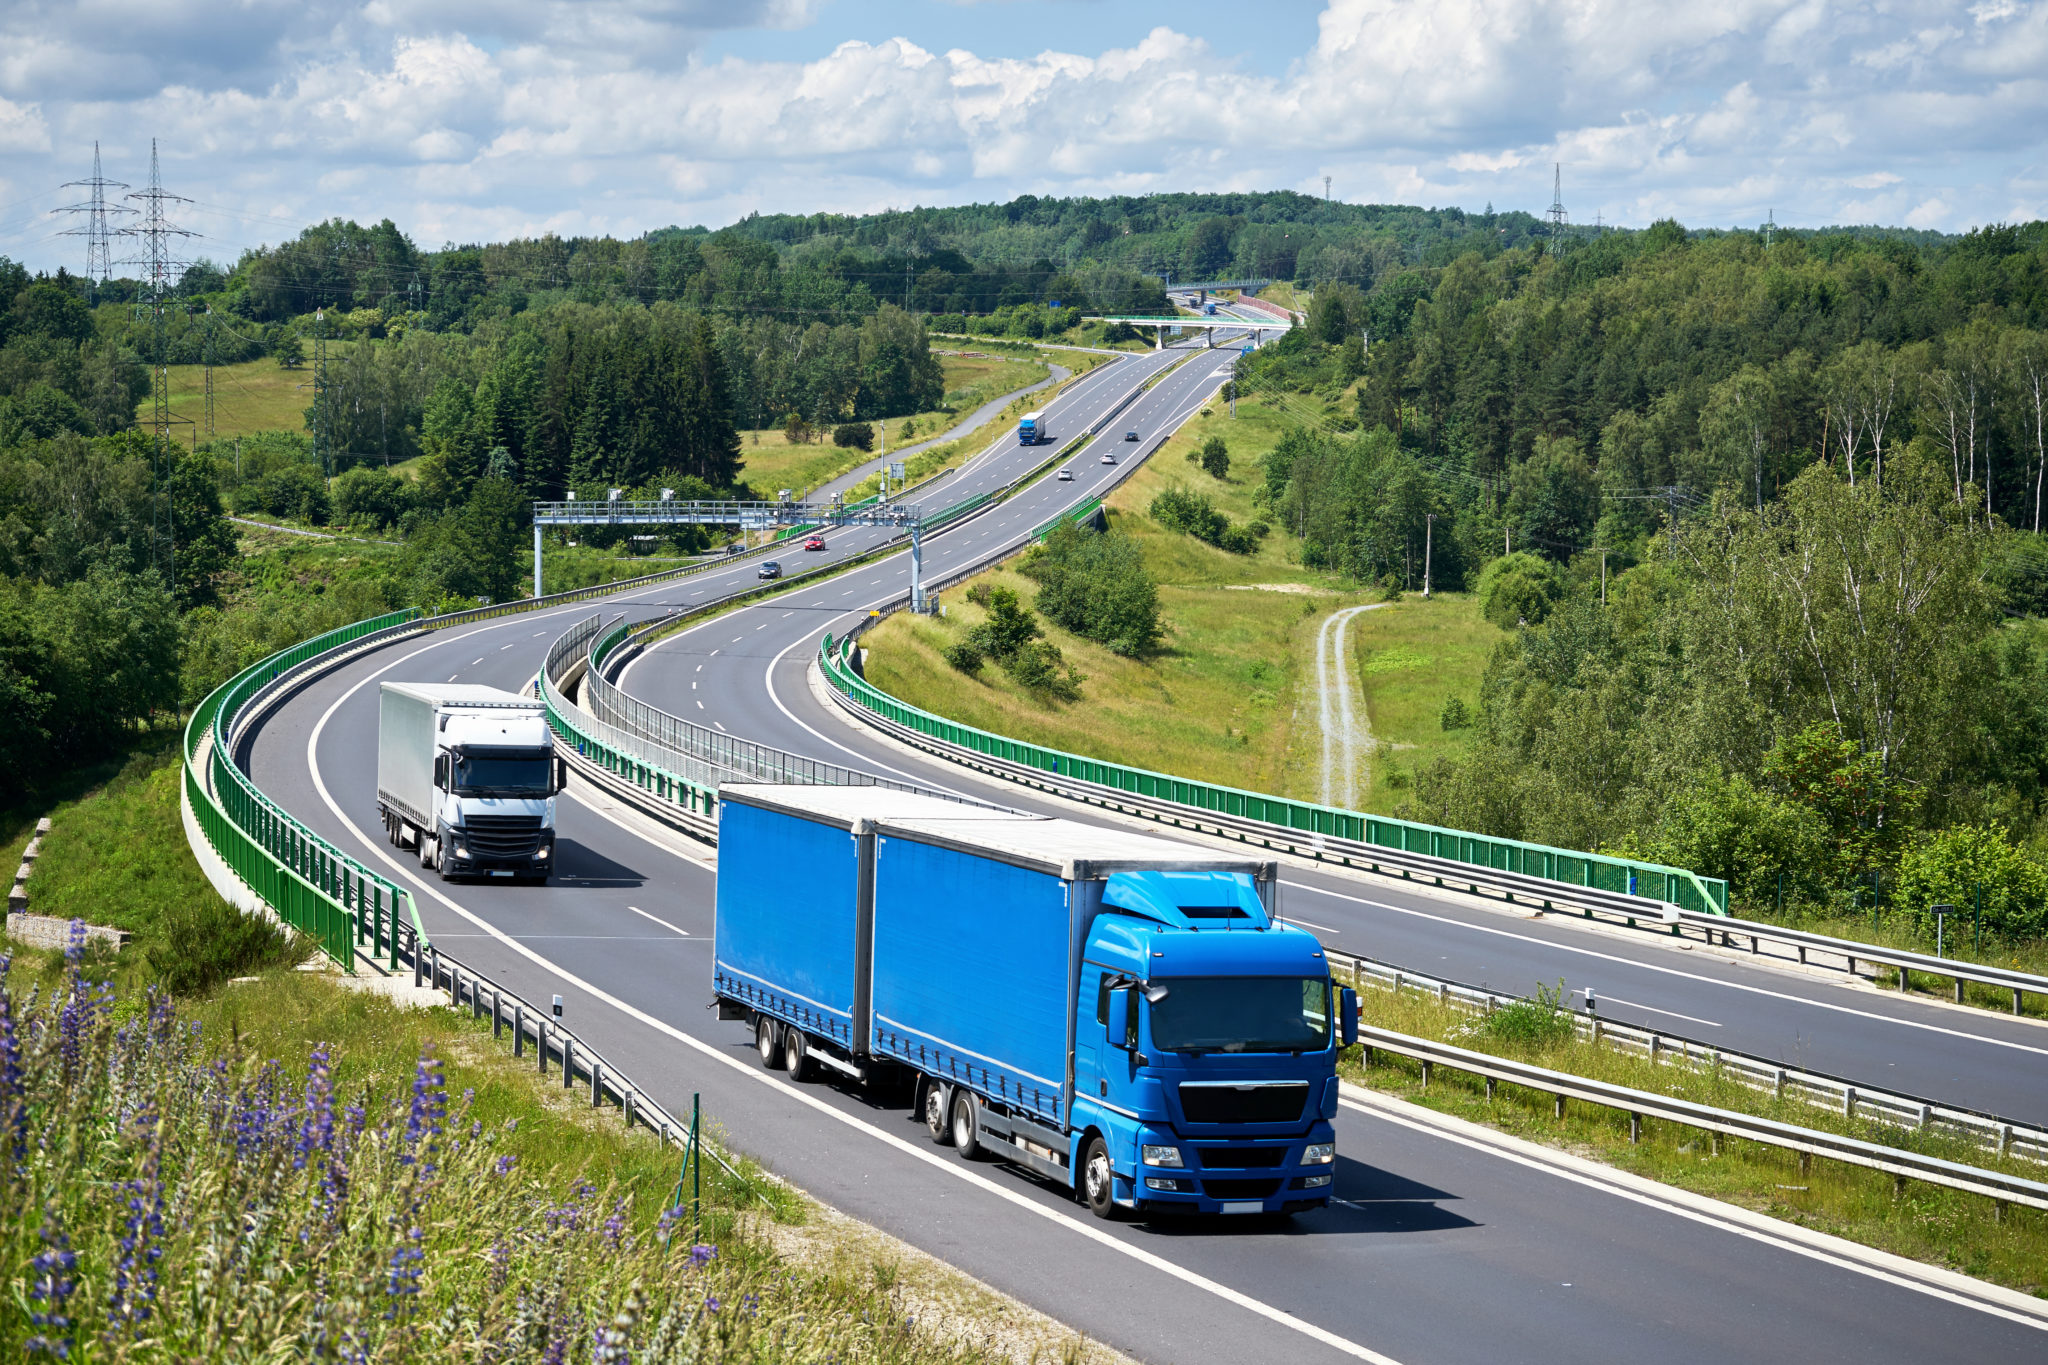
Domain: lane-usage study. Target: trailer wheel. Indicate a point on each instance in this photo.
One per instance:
(966, 1137)
(938, 1099)
(1098, 1181)
(767, 1043)
(796, 1055)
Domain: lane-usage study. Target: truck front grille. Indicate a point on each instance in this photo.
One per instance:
(1224, 1102)
(1242, 1158)
(1240, 1189)
(502, 836)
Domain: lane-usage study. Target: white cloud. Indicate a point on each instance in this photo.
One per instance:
(466, 120)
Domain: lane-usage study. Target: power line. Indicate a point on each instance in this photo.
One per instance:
(99, 261)
(156, 231)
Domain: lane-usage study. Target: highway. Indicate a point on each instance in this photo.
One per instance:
(1446, 1247)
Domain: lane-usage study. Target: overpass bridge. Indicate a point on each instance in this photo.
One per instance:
(1209, 326)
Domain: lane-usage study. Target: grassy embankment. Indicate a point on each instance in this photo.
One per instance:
(772, 463)
(1943, 1227)
(1229, 696)
(532, 1208)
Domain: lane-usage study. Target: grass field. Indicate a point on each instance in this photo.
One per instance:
(1229, 696)
(250, 397)
(1924, 1222)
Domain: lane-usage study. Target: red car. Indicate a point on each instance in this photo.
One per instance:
(815, 543)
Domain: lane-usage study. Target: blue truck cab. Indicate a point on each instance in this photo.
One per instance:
(1118, 1012)
(1031, 429)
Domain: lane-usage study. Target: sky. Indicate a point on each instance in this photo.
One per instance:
(466, 121)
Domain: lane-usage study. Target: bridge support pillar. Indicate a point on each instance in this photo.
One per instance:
(917, 602)
(536, 559)
(1159, 337)
(1210, 334)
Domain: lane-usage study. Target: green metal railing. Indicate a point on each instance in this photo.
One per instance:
(311, 885)
(1676, 886)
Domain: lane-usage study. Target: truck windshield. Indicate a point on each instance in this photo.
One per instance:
(1240, 1013)
(513, 773)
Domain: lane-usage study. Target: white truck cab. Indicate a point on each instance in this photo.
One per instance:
(467, 775)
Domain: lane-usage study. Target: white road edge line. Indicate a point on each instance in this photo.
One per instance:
(1672, 971)
(901, 1145)
(658, 919)
(1757, 1227)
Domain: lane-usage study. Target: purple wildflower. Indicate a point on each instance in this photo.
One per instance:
(402, 1276)
(711, 1303)
(316, 1128)
(141, 1247)
(49, 1290)
(429, 1108)
(702, 1255)
(505, 1164)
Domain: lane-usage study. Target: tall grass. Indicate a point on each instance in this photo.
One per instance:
(168, 1193)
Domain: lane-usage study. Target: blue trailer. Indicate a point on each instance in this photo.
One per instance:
(1031, 429)
(1115, 1011)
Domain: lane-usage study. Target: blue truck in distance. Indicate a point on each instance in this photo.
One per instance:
(1117, 1012)
(1031, 429)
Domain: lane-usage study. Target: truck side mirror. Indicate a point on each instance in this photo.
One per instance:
(1118, 1027)
(1349, 1018)
(561, 774)
(440, 772)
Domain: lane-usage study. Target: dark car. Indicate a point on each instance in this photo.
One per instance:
(769, 569)
(1130, 436)
(815, 543)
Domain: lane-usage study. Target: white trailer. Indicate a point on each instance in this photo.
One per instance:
(467, 776)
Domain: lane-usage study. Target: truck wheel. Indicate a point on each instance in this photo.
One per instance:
(426, 848)
(1098, 1182)
(766, 1043)
(966, 1138)
(938, 1099)
(796, 1055)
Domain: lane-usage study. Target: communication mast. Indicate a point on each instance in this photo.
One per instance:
(99, 257)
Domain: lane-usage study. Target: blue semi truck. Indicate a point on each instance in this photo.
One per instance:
(1031, 429)
(1118, 1012)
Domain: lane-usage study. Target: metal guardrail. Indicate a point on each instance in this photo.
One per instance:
(1900, 1163)
(1590, 901)
(2000, 1136)
(1322, 832)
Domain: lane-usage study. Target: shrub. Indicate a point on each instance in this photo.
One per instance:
(1039, 666)
(206, 942)
(1095, 585)
(1455, 715)
(1215, 458)
(854, 436)
(1952, 866)
(1193, 514)
(1010, 625)
(1519, 589)
(1542, 1022)
(963, 655)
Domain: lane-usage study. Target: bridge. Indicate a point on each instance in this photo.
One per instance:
(1448, 1241)
(1258, 327)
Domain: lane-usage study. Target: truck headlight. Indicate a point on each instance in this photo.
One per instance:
(1319, 1154)
(1160, 1156)
(461, 852)
(543, 851)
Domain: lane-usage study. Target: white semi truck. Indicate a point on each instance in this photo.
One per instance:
(467, 775)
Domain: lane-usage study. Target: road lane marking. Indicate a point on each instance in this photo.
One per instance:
(1674, 971)
(1698, 1208)
(1689, 1018)
(904, 1146)
(658, 920)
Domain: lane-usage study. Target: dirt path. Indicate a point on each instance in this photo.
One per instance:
(1347, 730)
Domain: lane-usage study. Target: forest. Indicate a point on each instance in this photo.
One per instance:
(1762, 520)
(1761, 512)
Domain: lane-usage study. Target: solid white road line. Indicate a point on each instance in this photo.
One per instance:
(1689, 1018)
(1698, 1208)
(658, 920)
(1672, 971)
(901, 1145)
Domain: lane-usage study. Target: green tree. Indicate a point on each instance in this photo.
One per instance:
(290, 351)
(1555, 499)
(1095, 584)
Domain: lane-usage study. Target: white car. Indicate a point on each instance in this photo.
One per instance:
(1066, 476)
(1108, 458)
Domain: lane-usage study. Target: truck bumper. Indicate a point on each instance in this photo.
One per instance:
(1293, 1196)
(539, 863)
